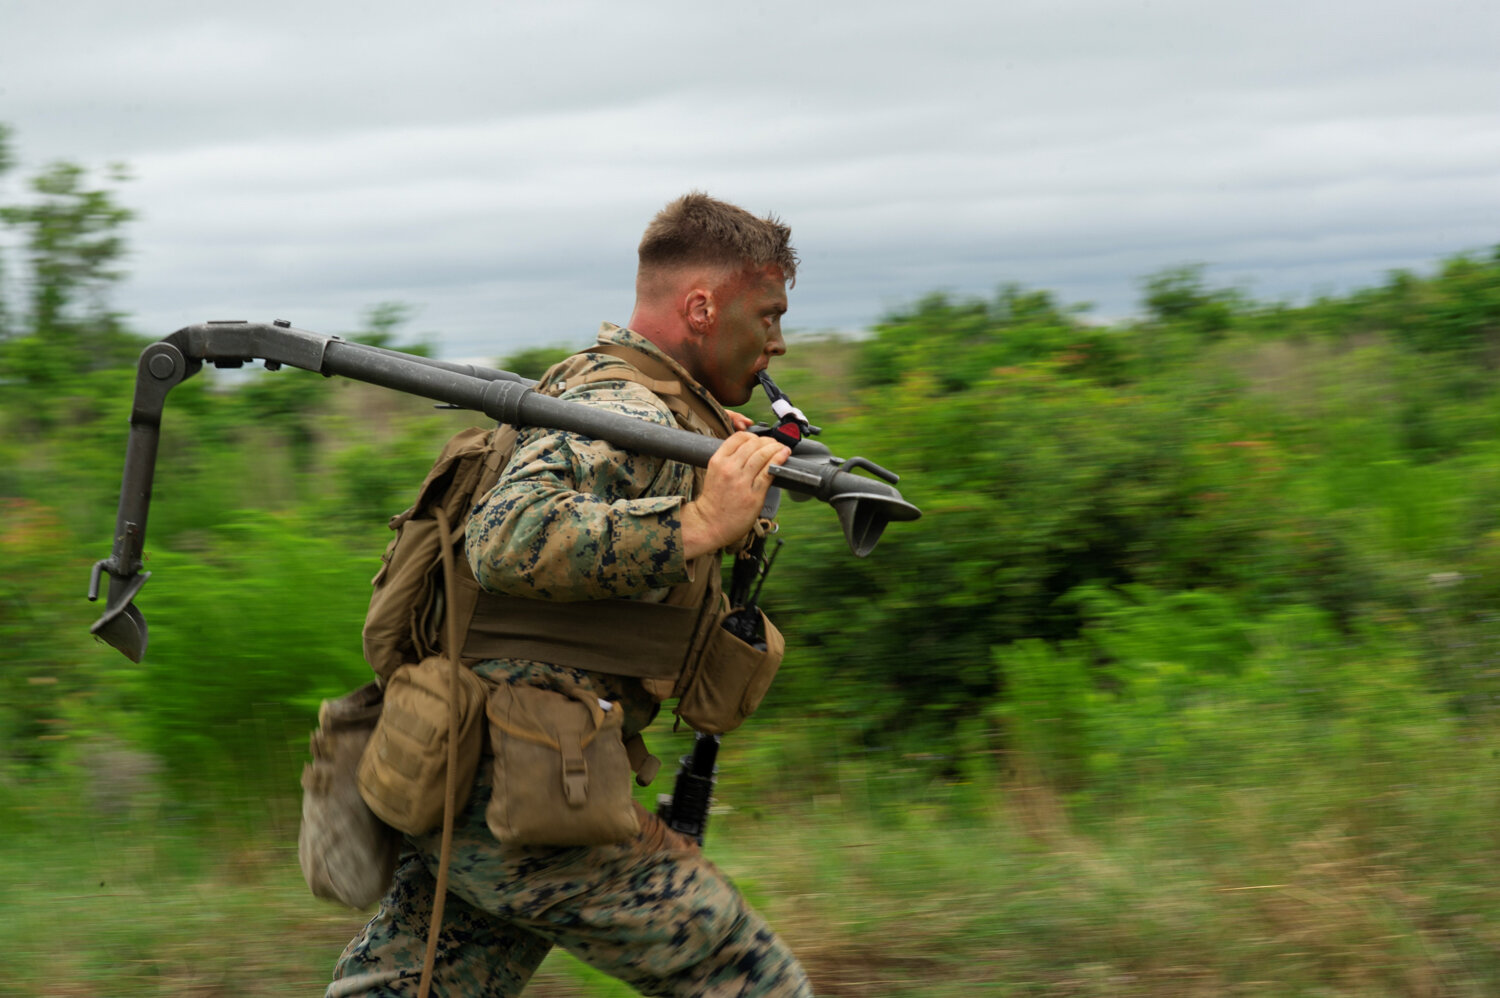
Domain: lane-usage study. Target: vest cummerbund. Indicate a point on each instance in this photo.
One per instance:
(622, 637)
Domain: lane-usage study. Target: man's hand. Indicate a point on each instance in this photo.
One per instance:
(733, 493)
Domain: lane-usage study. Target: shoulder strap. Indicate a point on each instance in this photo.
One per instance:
(690, 408)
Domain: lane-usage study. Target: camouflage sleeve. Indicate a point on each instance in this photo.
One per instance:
(573, 518)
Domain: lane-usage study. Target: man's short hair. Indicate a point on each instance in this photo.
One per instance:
(699, 230)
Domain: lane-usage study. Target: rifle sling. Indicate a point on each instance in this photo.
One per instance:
(621, 637)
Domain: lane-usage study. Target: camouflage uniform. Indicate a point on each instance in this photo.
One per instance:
(575, 519)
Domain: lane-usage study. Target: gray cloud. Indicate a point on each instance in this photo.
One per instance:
(494, 164)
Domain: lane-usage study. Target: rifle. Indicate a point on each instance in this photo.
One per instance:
(685, 809)
(864, 505)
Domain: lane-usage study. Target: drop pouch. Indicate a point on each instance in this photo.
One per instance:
(347, 854)
(562, 774)
(731, 677)
(403, 772)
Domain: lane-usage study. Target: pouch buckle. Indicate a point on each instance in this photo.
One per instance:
(575, 775)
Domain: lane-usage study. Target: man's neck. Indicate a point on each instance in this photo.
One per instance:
(666, 332)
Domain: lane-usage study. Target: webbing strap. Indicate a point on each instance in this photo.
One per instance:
(709, 415)
(614, 373)
(450, 777)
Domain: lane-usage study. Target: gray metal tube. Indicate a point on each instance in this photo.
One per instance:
(864, 505)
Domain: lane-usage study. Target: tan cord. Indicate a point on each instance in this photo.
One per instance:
(450, 780)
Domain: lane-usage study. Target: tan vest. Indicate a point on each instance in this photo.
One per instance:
(655, 642)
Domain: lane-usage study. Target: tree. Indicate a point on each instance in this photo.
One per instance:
(1457, 311)
(532, 362)
(5, 165)
(1177, 295)
(73, 245)
(381, 322)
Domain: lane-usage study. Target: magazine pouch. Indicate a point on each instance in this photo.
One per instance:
(403, 770)
(730, 677)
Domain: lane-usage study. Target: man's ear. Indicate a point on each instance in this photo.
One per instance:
(700, 310)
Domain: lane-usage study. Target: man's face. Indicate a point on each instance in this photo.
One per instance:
(745, 336)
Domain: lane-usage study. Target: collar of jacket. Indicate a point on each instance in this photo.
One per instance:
(611, 333)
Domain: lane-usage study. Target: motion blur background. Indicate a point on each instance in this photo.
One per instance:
(1180, 323)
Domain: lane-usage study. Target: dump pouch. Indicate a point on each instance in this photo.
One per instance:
(403, 770)
(730, 678)
(347, 854)
(562, 774)
(403, 591)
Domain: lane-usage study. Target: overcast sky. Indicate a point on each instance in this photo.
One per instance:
(493, 164)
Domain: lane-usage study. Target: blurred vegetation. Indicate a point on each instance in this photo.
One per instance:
(1185, 683)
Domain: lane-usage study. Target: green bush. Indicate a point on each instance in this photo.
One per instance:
(252, 630)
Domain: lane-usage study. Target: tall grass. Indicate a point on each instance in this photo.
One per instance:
(1320, 877)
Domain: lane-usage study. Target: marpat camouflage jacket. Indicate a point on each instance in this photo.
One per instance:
(574, 519)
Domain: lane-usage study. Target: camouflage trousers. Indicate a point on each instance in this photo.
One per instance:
(652, 912)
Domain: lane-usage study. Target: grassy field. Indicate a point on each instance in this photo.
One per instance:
(1367, 883)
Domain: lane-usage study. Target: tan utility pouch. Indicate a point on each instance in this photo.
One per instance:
(729, 679)
(562, 775)
(403, 771)
(347, 854)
